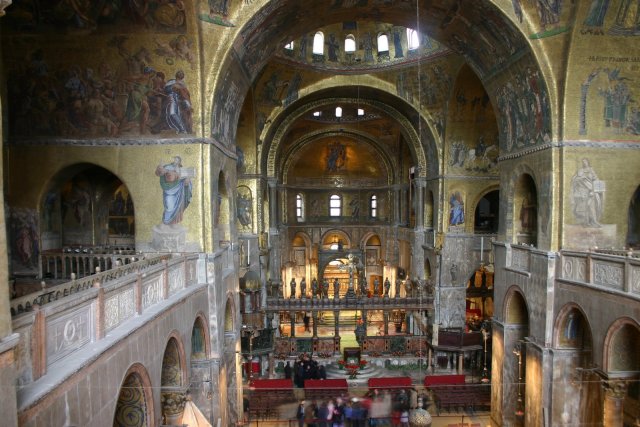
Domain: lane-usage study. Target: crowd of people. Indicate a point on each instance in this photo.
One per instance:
(376, 408)
(305, 368)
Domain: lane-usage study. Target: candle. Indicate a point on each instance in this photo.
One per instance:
(481, 249)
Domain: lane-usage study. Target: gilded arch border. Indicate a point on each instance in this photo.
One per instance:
(359, 135)
(405, 125)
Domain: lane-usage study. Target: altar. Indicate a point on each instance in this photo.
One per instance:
(352, 355)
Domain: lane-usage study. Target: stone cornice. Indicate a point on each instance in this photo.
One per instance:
(122, 142)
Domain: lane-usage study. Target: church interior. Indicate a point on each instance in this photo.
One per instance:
(412, 193)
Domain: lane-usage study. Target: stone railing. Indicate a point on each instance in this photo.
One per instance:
(75, 285)
(373, 346)
(614, 270)
(84, 261)
(275, 304)
(96, 305)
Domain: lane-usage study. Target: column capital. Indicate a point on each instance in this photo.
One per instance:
(615, 389)
(420, 181)
(173, 402)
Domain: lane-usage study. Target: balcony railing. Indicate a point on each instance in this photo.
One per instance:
(73, 286)
(83, 311)
(613, 270)
(83, 261)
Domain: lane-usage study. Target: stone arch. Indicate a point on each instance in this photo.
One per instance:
(572, 334)
(525, 210)
(172, 379)
(78, 186)
(482, 16)
(486, 211)
(357, 135)
(621, 347)
(508, 197)
(334, 236)
(222, 214)
(405, 125)
(229, 316)
(174, 369)
(134, 406)
(572, 328)
(366, 237)
(81, 204)
(515, 309)
(514, 372)
(302, 237)
(200, 346)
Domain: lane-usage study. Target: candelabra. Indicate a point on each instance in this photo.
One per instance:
(519, 403)
(485, 372)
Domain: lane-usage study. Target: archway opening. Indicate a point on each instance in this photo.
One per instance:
(525, 204)
(486, 217)
(132, 405)
(87, 222)
(172, 395)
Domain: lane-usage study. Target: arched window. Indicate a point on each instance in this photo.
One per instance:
(412, 39)
(318, 43)
(335, 205)
(338, 111)
(373, 206)
(350, 44)
(383, 43)
(299, 207)
(289, 46)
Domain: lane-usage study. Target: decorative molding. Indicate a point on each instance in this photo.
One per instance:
(176, 279)
(152, 292)
(608, 274)
(523, 153)
(68, 333)
(611, 144)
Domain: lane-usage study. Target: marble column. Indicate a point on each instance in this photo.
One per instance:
(273, 203)
(274, 236)
(386, 322)
(292, 317)
(396, 205)
(420, 185)
(314, 314)
(614, 394)
(336, 322)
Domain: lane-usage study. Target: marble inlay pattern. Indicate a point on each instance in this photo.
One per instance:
(68, 333)
(176, 279)
(608, 274)
(151, 291)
